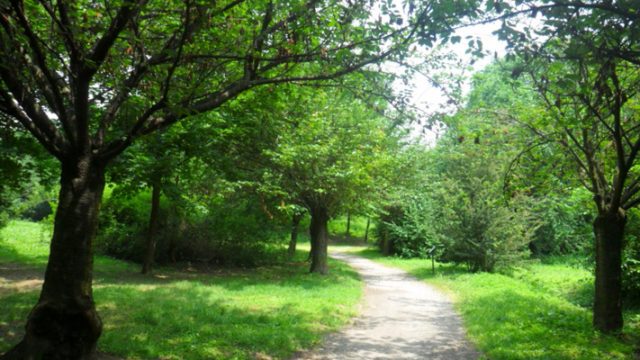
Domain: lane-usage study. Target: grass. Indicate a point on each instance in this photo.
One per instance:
(269, 312)
(536, 312)
(357, 228)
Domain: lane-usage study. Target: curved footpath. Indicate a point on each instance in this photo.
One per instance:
(402, 318)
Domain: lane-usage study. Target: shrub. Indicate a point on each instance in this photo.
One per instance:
(232, 231)
(479, 228)
(407, 230)
(631, 260)
(565, 224)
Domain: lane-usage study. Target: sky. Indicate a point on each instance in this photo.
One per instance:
(429, 99)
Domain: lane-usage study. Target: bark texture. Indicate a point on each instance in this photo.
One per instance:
(607, 307)
(319, 239)
(64, 323)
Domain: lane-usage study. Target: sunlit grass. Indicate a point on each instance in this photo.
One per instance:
(227, 314)
(541, 311)
(357, 228)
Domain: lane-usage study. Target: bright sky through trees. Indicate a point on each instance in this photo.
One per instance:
(428, 99)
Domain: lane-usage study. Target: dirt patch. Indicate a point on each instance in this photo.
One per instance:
(16, 278)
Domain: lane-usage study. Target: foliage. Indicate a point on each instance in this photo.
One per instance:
(229, 230)
(631, 260)
(123, 224)
(409, 228)
(272, 311)
(586, 75)
(329, 153)
(565, 224)
(27, 174)
(459, 204)
(358, 226)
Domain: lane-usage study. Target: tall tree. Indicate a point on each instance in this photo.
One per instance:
(583, 59)
(326, 159)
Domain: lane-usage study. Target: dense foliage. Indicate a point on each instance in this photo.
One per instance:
(227, 230)
(217, 126)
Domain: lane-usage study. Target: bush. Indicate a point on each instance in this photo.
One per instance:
(123, 225)
(461, 209)
(230, 231)
(406, 230)
(480, 229)
(565, 224)
(631, 260)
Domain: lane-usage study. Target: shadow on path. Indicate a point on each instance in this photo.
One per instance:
(402, 318)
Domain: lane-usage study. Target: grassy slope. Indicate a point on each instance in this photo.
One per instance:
(538, 312)
(229, 314)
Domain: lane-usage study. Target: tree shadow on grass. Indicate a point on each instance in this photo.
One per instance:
(193, 323)
(198, 318)
(512, 325)
(15, 309)
(293, 274)
(180, 314)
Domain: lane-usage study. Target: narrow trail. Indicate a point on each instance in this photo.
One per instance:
(402, 318)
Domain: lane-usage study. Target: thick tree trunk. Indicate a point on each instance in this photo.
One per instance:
(607, 307)
(150, 253)
(366, 231)
(64, 323)
(293, 241)
(319, 240)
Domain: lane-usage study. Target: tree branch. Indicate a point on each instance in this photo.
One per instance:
(100, 50)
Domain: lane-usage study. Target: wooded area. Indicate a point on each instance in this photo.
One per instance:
(218, 134)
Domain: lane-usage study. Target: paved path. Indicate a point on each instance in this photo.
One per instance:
(402, 318)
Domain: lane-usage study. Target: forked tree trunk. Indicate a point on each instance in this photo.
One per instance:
(293, 241)
(150, 253)
(319, 240)
(607, 307)
(64, 323)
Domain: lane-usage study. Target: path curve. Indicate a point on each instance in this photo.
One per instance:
(402, 318)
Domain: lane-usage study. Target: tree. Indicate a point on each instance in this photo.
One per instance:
(455, 207)
(325, 159)
(583, 61)
(87, 79)
(164, 163)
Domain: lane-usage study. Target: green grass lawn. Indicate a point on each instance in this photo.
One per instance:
(541, 311)
(224, 314)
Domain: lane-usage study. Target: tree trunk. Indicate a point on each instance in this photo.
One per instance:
(607, 307)
(150, 253)
(348, 233)
(311, 244)
(64, 323)
(295, 222)
(319, 240)
(366, 231)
